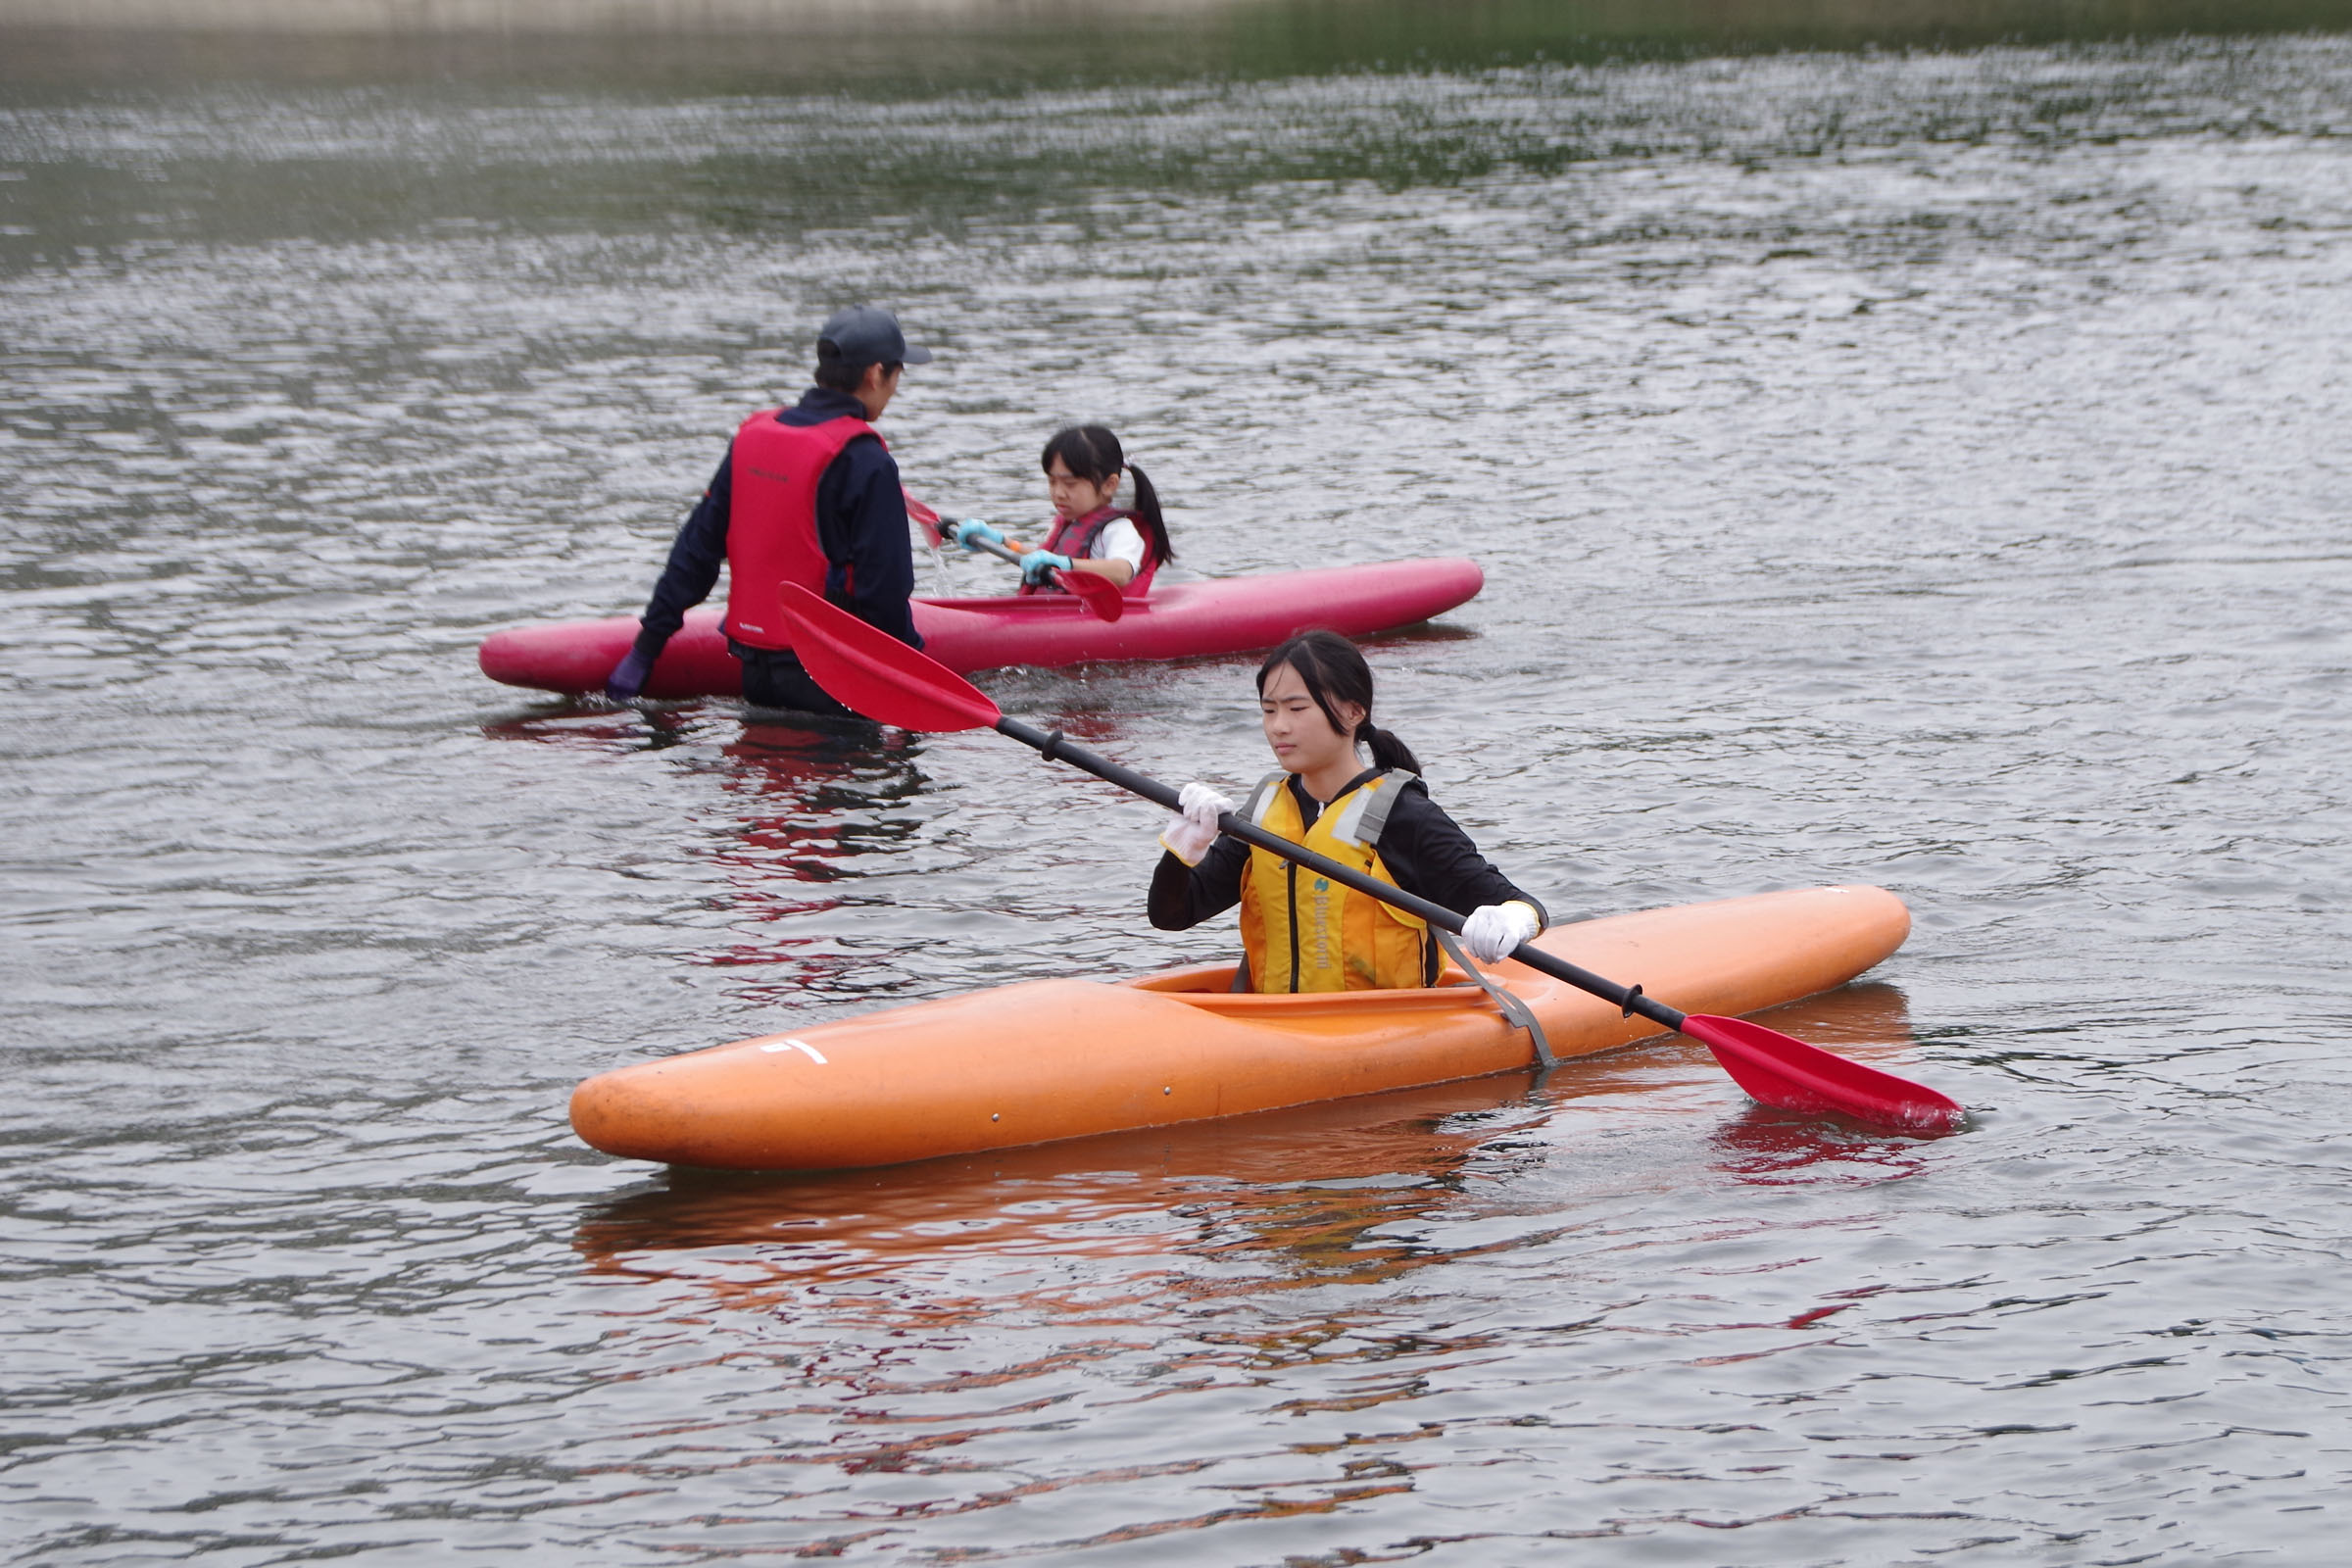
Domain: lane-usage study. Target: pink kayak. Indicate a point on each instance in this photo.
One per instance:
(1178, 620)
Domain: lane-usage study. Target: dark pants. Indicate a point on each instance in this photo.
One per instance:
(779, 680)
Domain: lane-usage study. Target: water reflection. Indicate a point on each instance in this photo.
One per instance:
(799, 802)
(1769, 1147)
(1298, 1189)
(590, 725)
(804, 804)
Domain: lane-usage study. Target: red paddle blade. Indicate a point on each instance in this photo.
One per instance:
(922, 514)
(1097, 593)
(877, 674)
(1784, 1072)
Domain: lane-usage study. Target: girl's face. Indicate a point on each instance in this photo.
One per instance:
(1074, 497)
(1302, 739)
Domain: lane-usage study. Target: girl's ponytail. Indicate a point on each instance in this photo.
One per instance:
(1387, 749)
(1147, 512)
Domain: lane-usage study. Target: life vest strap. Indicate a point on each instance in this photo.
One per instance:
(1371, 802)
(1254, 809)
(1371, 807)
(1514, 1011)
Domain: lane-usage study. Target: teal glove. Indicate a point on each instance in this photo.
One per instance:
(969, 531)
(1037, 563)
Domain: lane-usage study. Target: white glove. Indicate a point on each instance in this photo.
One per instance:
(1195, 829)
(1492, 930)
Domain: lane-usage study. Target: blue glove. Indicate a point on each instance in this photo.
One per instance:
(969, 531)
(629, 677)
(1037, 563)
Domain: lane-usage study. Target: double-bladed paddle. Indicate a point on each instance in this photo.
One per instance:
(1097, 593)
(885, 680)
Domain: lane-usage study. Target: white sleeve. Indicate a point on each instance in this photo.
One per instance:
(1121, 541)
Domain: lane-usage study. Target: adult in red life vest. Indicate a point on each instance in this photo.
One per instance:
(807, 494)
(1091, 532)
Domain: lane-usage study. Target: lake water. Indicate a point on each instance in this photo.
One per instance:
(1921, 466)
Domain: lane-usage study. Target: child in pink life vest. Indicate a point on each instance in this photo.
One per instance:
(1091, 531)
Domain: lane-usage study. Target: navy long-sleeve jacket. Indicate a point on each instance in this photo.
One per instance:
(861, 524)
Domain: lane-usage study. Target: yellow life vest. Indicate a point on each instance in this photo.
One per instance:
(1305, 932)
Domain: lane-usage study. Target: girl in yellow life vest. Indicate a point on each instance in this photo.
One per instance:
(1303, 932)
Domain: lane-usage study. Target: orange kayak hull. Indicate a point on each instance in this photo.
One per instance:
(1047, 1059)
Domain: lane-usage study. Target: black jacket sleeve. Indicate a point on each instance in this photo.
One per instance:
(861, 526)
(694, 557)
(1428, 853)
(1183, 895)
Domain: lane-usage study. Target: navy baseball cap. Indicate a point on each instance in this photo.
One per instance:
(863, 335)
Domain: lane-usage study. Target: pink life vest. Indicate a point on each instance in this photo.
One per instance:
(1075, 538)
(771, 518)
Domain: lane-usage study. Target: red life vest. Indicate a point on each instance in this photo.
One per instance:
(771, 518)
(1075, 538)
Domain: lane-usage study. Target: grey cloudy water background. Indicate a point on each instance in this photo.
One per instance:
(1921, 466)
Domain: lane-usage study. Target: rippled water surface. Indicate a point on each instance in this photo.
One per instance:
(1925, 469)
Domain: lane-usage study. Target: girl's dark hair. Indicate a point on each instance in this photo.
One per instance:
(1334, 671)
(1092, 453)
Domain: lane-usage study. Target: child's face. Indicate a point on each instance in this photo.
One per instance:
(1296, 728)
(1074, 497)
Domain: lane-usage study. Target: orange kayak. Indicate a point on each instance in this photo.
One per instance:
(1047, 1059)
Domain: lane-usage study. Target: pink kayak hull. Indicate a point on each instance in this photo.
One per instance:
(1179, 620)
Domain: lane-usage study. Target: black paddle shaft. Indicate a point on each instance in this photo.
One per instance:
(1628, 998)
